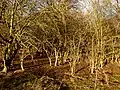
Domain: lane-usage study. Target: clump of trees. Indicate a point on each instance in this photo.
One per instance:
(61, 31)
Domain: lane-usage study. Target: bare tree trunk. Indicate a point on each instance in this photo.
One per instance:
(21, 64)
(5, 68)
(50, 61)
(72, 67)
(21, 60)
(92, 59)
(56, 57)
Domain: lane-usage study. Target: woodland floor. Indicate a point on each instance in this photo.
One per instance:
(40, 76)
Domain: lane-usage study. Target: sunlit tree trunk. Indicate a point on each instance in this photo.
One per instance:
(56, 57)
(21, 60)
(92, 58)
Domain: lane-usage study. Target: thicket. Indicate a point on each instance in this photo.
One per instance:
(63, 32)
